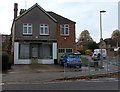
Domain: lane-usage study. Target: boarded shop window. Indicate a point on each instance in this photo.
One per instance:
(24, 51)
(45, 51)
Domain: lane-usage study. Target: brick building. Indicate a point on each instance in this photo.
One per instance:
(42, 35)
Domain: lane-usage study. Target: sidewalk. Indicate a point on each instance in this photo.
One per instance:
(45, 73)
(32, 73)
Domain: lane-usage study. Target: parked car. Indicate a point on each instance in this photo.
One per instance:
(102, 52)
(71, 60)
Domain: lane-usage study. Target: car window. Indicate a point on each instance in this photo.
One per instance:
(73, 56)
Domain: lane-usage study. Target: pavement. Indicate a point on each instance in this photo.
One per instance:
(38, 73)
(34, 73)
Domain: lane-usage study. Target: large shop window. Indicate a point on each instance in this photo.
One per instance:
(24, 51)
(45, 51)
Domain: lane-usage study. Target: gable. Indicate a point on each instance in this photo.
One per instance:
(32, 8)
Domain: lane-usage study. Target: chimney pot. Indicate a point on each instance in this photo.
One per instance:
(15, 10)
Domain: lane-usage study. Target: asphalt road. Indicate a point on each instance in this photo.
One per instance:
(71, 85)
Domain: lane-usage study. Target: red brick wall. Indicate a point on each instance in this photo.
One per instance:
(66, 41)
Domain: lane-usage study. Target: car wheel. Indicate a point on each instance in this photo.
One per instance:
(80, 66)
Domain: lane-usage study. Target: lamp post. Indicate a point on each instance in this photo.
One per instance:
(101, 24)
(101, 39)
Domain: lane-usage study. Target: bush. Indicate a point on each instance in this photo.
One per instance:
(5, 61)
(87, 52)
(82, 52)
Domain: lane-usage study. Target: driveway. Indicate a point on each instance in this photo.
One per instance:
(32, 73)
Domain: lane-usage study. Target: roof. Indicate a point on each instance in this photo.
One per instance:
(35, 5)
(55, 17)
(59, 18)
(111, 42)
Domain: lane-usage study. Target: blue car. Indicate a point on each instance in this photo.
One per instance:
(71, 60)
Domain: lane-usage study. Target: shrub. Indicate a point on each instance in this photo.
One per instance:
(82, 52)
(5, 61)
(87, 52)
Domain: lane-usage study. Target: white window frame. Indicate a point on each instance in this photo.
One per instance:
(27, 25)
(63, 28)
(44, 26)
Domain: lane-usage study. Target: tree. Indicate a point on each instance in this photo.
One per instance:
(92, 45)
(85, 36)
(116, 35)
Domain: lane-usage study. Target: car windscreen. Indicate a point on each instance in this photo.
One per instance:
(73, 56)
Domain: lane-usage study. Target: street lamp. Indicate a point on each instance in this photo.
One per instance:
(101, 39)
(103, 11)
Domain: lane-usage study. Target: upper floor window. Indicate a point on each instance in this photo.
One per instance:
(27, 28)
(44, 29)
(64, 29)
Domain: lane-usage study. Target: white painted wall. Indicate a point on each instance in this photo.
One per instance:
(45, 61)
(54, 50)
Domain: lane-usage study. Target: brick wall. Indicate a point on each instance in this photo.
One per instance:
(66, 41)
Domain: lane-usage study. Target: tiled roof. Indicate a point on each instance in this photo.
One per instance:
(35, 5)
(111, 42)
(55, 17)
(59, 18)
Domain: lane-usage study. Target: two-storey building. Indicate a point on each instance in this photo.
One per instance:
(42, 35)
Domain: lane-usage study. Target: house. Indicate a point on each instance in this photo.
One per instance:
(109, 43)
(3, 39)
(41, 35)
(81, 45)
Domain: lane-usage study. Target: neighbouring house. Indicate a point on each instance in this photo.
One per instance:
(109, 43)
(3, 38)
(81, 45)
(41, 35)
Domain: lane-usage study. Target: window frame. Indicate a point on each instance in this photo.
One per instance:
(63, 28)
(28, 25)
(44, 29)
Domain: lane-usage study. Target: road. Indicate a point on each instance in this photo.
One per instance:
(71, 85)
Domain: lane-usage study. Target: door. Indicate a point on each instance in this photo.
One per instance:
(34, 51)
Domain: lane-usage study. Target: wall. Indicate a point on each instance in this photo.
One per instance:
(66, 41)
(36, 17)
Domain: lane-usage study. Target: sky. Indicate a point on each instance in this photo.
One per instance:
(84, 12)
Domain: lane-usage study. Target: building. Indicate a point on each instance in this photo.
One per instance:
(109, 44)
(81, 45)
(41, 35)
(3, 43)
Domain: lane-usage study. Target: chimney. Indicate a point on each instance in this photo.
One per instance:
(22, 11)
(15, 10)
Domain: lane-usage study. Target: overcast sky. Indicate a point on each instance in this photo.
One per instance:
(84, 12)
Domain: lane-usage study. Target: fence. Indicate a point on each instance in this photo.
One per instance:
(109, 65)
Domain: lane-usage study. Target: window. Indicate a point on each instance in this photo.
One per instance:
(45, 51)
(27, 28)
(61, 50)
(44, 29)
(64, 29)
(68, 50)
(24, 51)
